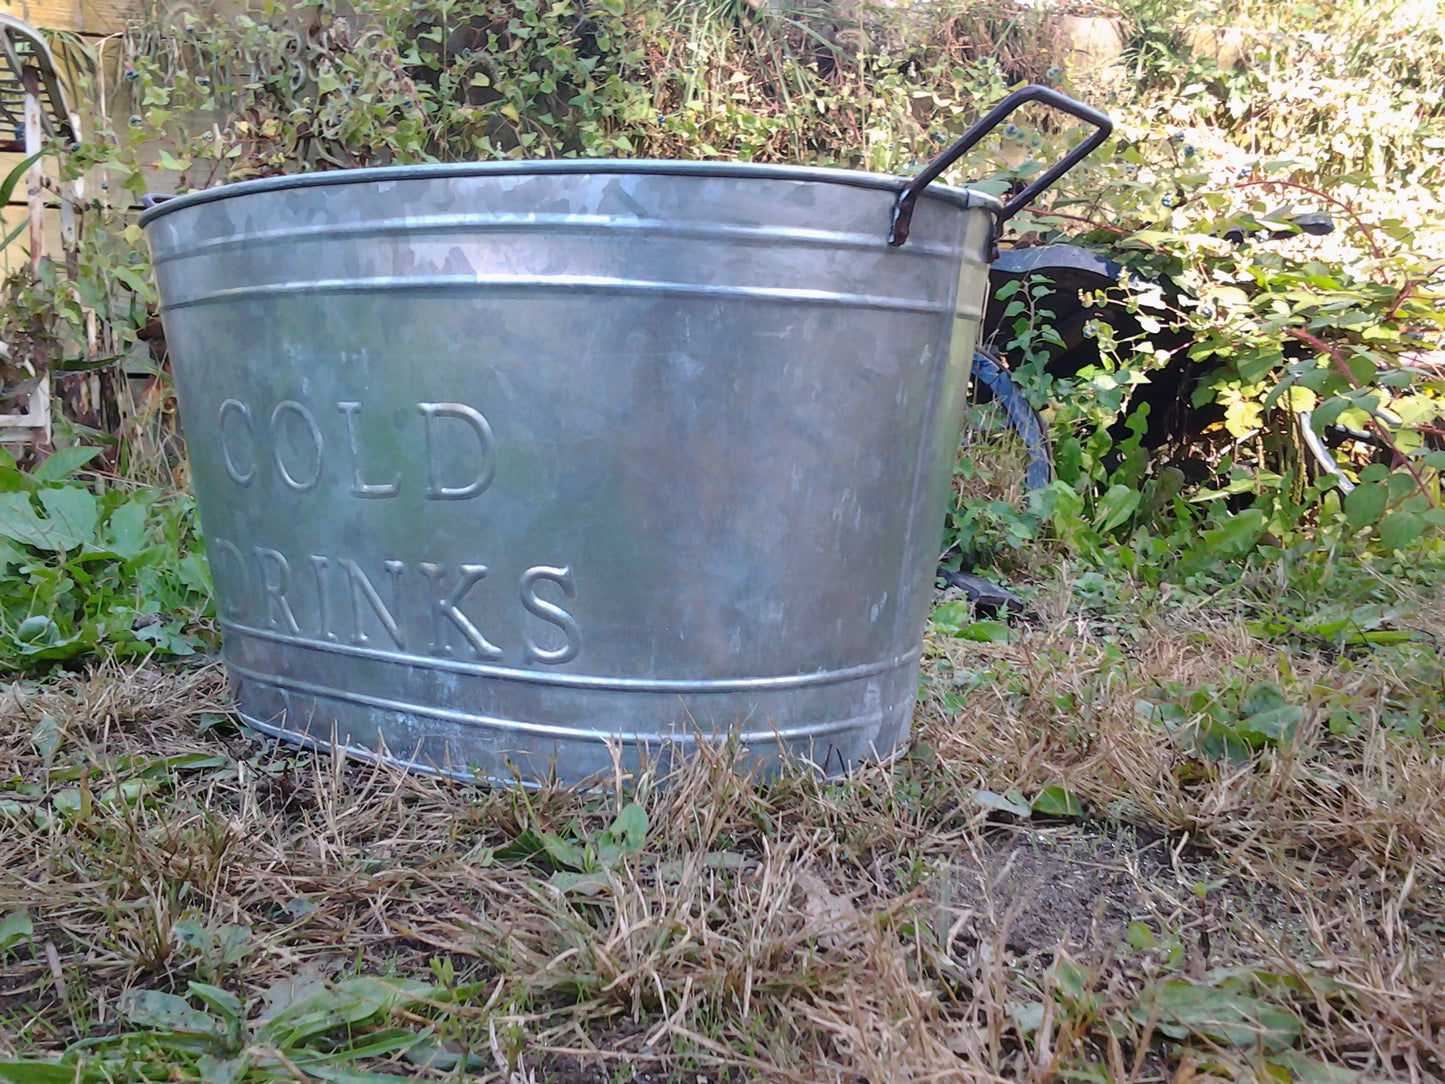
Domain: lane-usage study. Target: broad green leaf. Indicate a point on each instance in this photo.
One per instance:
(233, 942)
(1216, 740)
(1255, 365)
(19, 521)
(1365, 504)
(194, 574)
(126, 533)
(12, 478)
(16, 928)
(63, 464)
(72, 510)
(1218, 1015)
(68, 524)
(1402, 485)
(629, 830)
(1070, 979)
(1012, 802)
(131, 279)
(1237, 535)
(1166, 713)
(72, 801)
(348, 1002)
(1266, 717)
(39, 630)
(1276, 726)
(1057, 802)
(1399, 529)
(46, 738)
(288, 991)
(581, 884)
(564, 852)
(1327, 413)
(215, 1070)
(222, 1001)
(169, 161)
(985, 632)
(951, 616)
(155, 1009)
(1115, 506)
(1141, 936)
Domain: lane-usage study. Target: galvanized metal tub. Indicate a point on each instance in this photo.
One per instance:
(503, 467)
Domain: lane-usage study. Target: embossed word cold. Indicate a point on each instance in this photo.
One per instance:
(237, 431)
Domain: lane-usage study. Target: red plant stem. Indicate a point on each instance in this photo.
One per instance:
(1370, 237)
(1380, 431)
(1404, 295)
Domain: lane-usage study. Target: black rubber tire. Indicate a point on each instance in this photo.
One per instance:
(1023, 419)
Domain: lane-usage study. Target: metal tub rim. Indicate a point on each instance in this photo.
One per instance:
(962, 198)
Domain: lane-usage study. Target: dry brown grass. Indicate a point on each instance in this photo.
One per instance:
(888, 927)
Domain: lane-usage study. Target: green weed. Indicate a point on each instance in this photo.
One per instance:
(124, 570)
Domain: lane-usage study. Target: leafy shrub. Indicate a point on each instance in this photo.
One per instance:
(124, 569)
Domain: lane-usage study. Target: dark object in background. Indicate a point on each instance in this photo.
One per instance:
(986, 596)
(1174, 425)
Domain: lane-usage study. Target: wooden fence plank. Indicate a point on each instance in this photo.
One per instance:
(85, 16)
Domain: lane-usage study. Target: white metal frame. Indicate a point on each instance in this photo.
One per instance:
(28, 78)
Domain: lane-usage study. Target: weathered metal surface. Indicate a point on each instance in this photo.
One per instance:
(503, 465)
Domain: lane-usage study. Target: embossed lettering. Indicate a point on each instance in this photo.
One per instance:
(359, 488)
(550, 612)
(361, 588)
(235, 406)
(292, 407)
(274, 592)
(238, 590)
(449, 607)
(319, 565)
(486, 468)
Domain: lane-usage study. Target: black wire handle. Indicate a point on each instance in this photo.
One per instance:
(903, 205)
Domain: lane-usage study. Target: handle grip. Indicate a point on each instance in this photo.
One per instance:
(903, 205)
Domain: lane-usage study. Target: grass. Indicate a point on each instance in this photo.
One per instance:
(1277, 915)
